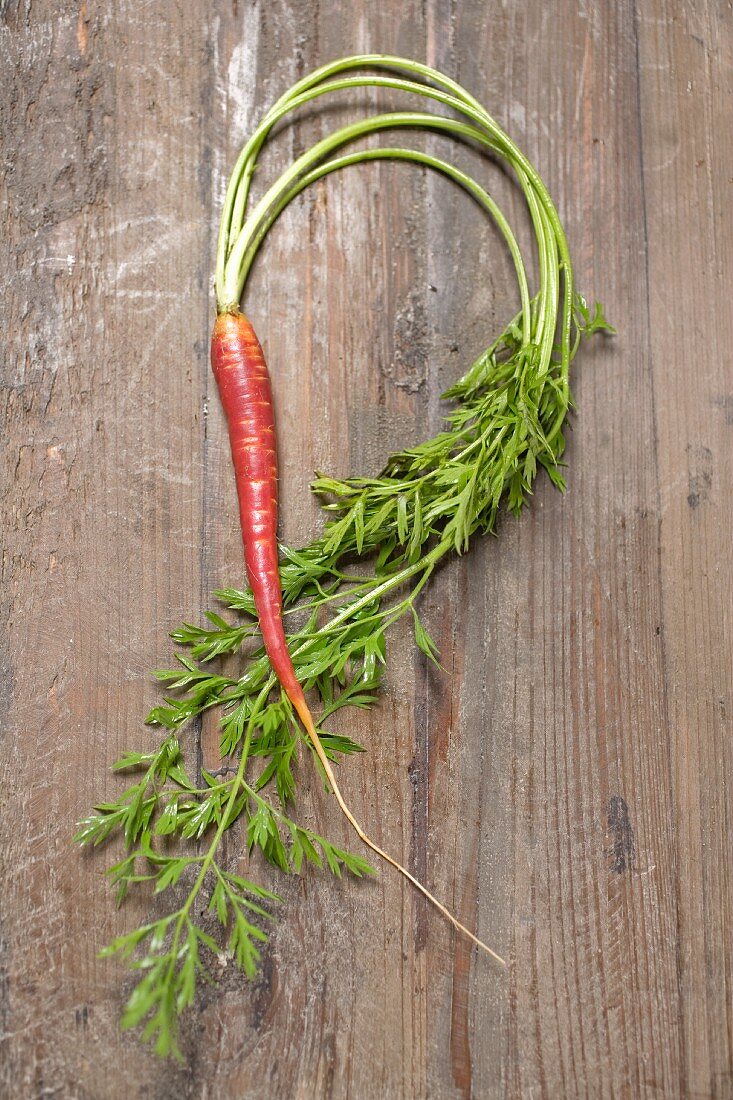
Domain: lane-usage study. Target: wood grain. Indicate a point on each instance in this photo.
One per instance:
(566, 784)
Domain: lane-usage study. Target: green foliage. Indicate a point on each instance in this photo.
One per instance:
(168, 952)
(428, 501)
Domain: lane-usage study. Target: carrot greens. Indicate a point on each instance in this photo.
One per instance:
(382, 541)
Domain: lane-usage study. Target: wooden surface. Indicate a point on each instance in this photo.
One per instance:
(566, 786)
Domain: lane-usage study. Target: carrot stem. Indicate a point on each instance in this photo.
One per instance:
(417, 157)
(554, 256)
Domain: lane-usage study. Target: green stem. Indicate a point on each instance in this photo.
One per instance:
(379, 591)
(238, 189)
(232, 283)
(408, 601)
(307, 88)
(416, 157)
(238, 243)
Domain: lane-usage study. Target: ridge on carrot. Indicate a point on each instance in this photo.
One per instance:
(506, 422)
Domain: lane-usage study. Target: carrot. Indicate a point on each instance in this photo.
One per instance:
(246, 395)
(428, 502)
(244, 386)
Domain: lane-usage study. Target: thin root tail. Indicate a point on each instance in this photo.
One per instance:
(306, 718)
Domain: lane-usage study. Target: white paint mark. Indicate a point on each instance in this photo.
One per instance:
(581, 79)
(236, 92)
(149, 240)
(59, 262)
(668, 161)
(238, 89)
(518, 116)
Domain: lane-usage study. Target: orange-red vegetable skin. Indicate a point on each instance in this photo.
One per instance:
(246, 395)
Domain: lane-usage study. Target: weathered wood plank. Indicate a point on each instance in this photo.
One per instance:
(104, 251)
(565, 786)
(686, 66)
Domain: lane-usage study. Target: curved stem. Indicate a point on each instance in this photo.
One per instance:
(429, 561)
(548, 229)
(417, 157)
(475, 110)
(207, 860)
(232, 282)
(238, 188)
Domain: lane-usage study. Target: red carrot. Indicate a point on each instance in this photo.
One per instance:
(246, 395)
